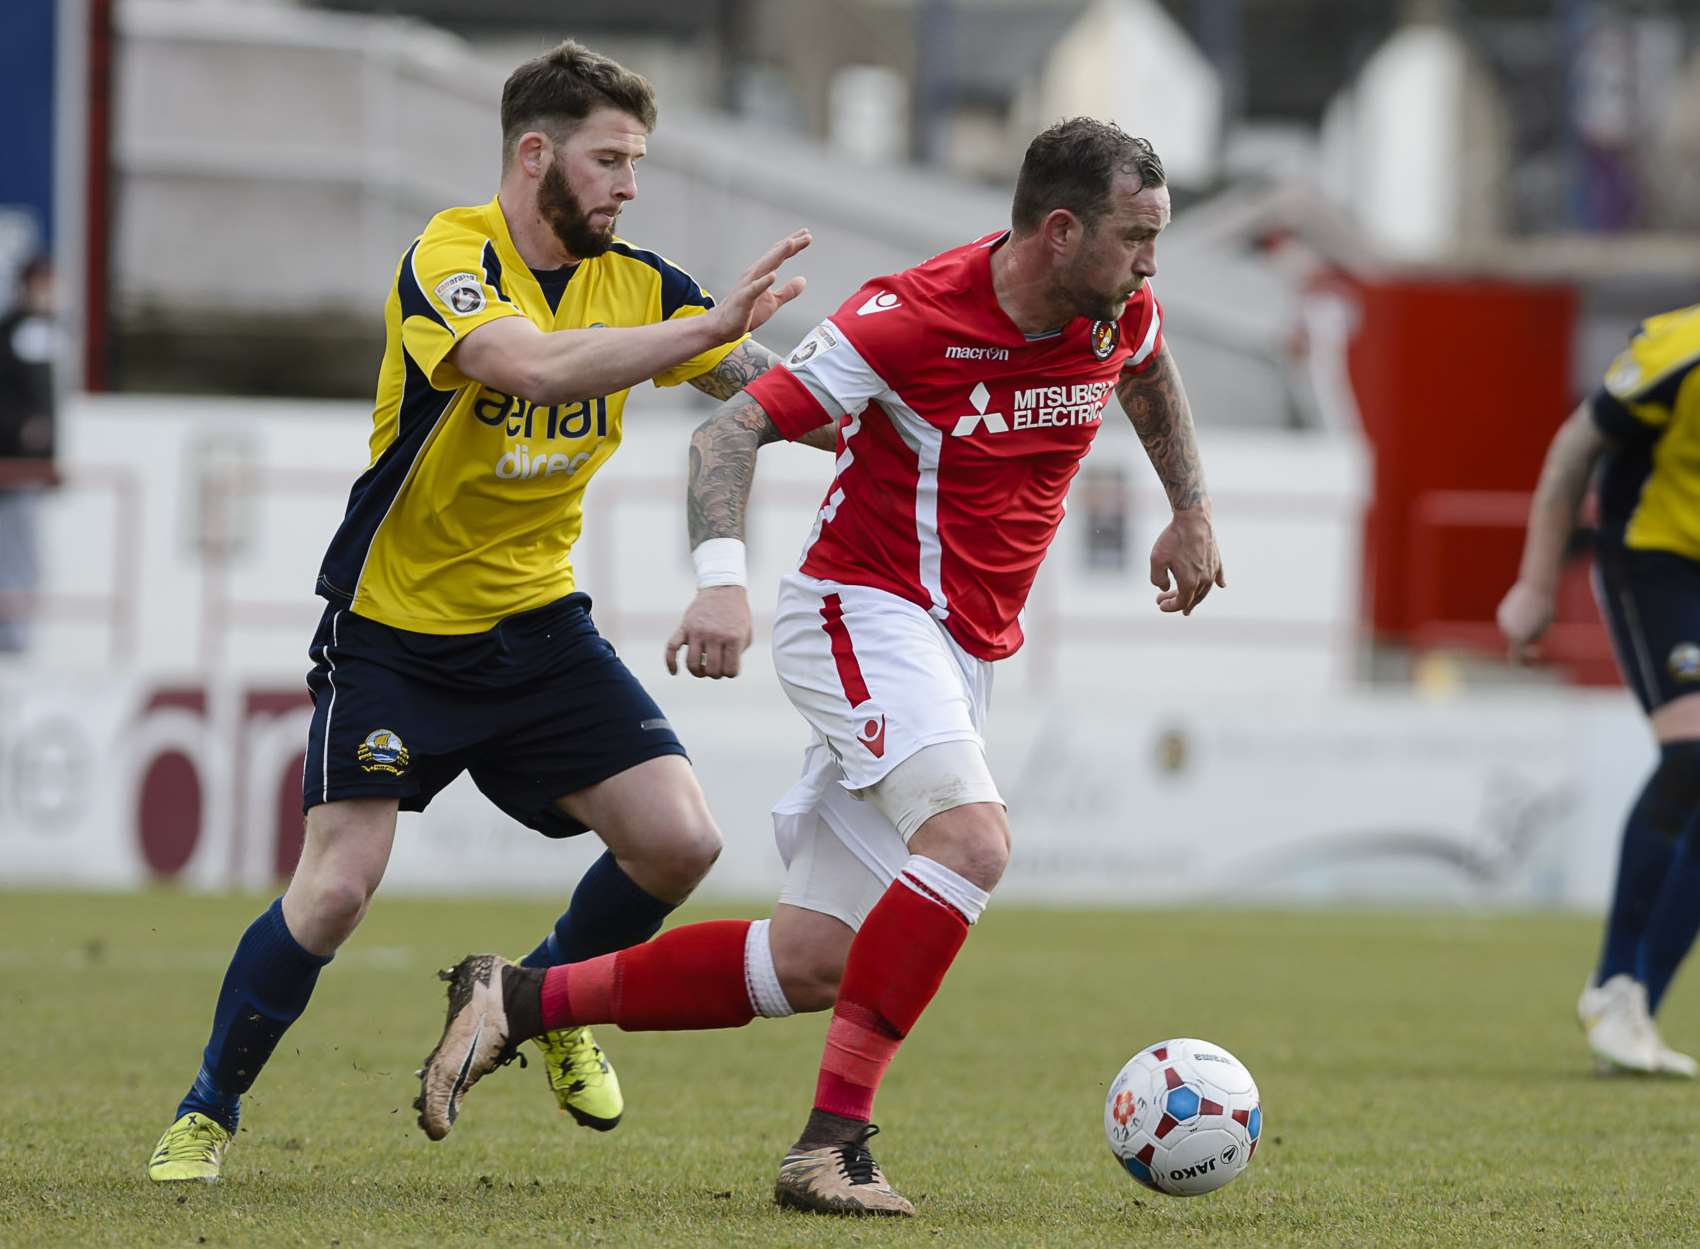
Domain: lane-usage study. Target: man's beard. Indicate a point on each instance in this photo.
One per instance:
(1088, 301)
(567, 218)
(1102, 307)
(1096, 304)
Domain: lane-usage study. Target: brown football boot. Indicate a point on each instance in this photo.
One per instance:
(838, 1179)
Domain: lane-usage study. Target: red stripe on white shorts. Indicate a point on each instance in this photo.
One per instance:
(843, 650)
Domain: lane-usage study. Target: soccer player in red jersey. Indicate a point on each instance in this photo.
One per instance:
(964, 392)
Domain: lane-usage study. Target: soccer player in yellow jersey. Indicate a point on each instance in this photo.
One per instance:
(1644, 424)
(454, 639)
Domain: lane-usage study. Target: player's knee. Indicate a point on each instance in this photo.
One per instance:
(1672, 795)
(810, 993)
(809, 977)
(341, 901)
(324, 910)
(972, 841)
(943, 802)
(697, 848)
(678, 863)
(704, 847)
(988, 853)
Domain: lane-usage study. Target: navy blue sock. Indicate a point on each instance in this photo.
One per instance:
(1673, 925)
(608, 913)
(265, 990)
(1643, 862)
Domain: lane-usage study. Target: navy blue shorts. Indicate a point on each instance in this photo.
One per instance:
(536, 708)
(1651, 603)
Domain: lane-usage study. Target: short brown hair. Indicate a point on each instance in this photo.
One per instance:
(559, 89)
(1072, 165)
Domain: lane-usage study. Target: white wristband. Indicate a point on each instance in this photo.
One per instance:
(720, 561)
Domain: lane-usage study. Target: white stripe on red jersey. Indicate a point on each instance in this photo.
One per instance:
(958, 437)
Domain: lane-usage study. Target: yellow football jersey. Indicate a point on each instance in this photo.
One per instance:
(1649, 405)
(469, 507)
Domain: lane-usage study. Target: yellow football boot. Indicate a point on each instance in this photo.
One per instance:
(191, 1149)
(581, 1078)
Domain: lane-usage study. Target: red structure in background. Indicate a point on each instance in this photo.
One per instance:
(1460, 384)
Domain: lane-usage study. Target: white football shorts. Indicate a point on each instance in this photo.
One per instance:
(880, 682)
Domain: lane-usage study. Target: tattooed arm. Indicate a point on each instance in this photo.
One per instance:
(723, 464)
(716, 631)
(742, 365)
(1155, 401)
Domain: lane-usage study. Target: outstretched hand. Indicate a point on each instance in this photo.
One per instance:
(758, 294)
(1185, 563)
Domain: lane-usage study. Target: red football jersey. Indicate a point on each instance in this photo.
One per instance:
(958, 436)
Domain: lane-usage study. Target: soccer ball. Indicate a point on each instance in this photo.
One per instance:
(1183, 1117)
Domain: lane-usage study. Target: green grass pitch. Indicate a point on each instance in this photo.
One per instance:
(1423, 1083)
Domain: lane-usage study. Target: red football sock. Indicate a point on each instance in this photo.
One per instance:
(687, 978)
(896, 964)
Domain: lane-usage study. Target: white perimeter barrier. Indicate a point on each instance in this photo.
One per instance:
(111, 782)
(156, 731)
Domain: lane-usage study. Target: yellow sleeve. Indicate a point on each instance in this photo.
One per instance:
(701, 363)
(446, 291)
(680, 295)
(1646, 375)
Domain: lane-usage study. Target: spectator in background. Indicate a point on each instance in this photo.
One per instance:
(28, 346)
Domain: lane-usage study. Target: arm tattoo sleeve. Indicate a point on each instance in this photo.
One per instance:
(742, 365)
(1155, 401)
(723, 464)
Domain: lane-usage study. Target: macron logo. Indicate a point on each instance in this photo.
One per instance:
(993, 421)
(885, 301)
(873, 737)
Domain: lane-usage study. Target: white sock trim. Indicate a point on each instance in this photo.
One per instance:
(963, 894)
(761, 979)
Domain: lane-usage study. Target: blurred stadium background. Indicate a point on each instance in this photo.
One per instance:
(1408, 236)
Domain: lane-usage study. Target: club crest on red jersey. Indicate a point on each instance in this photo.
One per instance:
(1105, 335)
